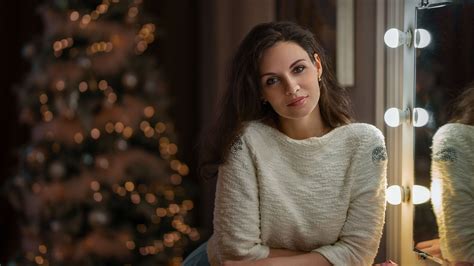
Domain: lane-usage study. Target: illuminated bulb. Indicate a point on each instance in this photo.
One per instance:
(394, 38)
(394, 194)
(392, 117)
(421, 194)
(422, 38)
(420, 117)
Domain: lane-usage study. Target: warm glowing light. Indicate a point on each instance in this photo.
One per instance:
(149, 132)
(127, 132)
(119, 126)
(129, 186)
(57, 46)
(60, 85)
(39, 260)
(74, 16)
(149, 111)
(173, 208)
(394, 194)
(112, 97)
(130, 245)
(86, 19)
(420, 117)
(97, 197)
(188, 204)
(141, 46)
(78, 138)
(421, 194)
(109, 47)
(150, 198)
(133, 12)
(95, 133)
(83, 86)
(169, 194)
(109, 127)
(174, 164)
(43, 98)
(172, 149)
(175, 179)
(144, 125)
(161, 212)
(135, 198)
(42, 249)
(143, 251)
(103, 84)
(160, 127)
(102, 8)
(183, 170)
(95, 185)
(47, 116)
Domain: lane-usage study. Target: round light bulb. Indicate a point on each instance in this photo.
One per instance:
(420, 117)
(392, 117)
(392, 38)
(422, 38)
(394, 194)
(421, 194)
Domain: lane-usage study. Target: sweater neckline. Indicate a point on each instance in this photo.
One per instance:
(311, 140)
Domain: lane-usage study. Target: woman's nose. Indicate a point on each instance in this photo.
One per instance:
(291, 87)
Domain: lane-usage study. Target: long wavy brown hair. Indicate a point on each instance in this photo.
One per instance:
(463, 111)
(241, 102)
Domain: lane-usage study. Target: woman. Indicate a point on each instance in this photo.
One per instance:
(452, 185)
(297, 182)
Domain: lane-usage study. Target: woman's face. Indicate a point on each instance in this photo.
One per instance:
(289, 80)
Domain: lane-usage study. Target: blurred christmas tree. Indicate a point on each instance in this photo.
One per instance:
(100, 182)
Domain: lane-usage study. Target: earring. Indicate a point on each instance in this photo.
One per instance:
(319, 79)
(264, 101)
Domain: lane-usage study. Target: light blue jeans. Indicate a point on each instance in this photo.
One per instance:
(198, 257)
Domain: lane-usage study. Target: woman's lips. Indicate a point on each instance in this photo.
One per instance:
(298, 101)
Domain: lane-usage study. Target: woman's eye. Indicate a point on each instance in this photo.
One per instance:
(271, 81)
(298, 69)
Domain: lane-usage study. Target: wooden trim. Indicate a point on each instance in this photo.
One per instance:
(345, 42)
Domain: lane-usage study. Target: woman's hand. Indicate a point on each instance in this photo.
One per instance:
(431, 247)
(262, 262)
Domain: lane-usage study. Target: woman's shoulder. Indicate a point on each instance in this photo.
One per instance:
(454, 131)
(364, 131)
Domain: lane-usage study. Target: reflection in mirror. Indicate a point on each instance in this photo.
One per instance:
(452, 182)
(444, 147)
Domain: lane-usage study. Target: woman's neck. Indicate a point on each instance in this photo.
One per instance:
(303, 128)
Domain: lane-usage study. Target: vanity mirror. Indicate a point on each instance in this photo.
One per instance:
(444, 146)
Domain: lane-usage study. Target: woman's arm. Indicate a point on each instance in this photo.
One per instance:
(237, 234)
(360, 236)
(304, 259)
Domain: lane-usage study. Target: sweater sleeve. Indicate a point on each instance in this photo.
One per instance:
(451, 171)
(360, 236)
(236, 211)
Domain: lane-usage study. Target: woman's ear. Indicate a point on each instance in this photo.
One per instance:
(317, 63)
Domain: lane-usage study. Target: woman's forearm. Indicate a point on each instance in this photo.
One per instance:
(284, 257)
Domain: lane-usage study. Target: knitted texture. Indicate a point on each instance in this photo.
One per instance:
(452, 186)
(322, 194)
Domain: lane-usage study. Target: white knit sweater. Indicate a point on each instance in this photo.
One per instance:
(322, 194)
(452, 186)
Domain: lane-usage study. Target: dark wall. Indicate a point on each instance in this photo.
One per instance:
(18, 22)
